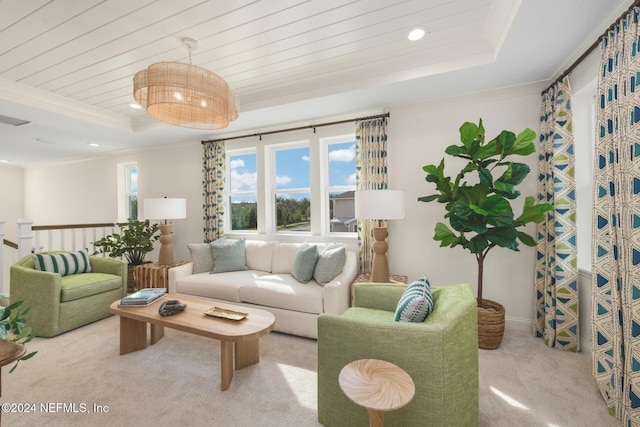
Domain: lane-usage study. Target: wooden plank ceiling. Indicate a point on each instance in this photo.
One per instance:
(270, 52)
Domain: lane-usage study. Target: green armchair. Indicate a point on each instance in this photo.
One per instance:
(61, 303)
(440, 355)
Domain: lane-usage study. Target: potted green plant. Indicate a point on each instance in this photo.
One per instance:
(14, 333)
(133, 242)
(478, 203)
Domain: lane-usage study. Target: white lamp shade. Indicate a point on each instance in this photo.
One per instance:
(379, 204)
(165, 208)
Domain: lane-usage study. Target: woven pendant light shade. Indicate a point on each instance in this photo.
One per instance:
(185, 95)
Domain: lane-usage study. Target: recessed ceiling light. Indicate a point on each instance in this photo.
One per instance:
(93, 144)
(4, 161)
(416, 34)
(135, 106)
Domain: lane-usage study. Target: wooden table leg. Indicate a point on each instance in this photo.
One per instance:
(133, 335)
(376, 418)
(226, 363)
(157, 332)
(247, 353)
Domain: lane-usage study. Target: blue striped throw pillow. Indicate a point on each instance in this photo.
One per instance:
(64, 263)
(416, 302)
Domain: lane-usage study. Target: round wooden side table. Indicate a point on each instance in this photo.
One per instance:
(376, 385)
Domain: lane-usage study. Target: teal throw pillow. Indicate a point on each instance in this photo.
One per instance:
(304, 263)
(201, 257)
(64, 263)
(330, 263)
(416, 302)
(228, 255)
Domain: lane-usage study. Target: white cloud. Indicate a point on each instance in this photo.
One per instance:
(245, 181)
(238, 163)
(306, 158)
(283, 180)
(346, 155)
(351, 180)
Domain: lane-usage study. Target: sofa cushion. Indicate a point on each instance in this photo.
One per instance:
(305, 263)
(284, 292)
(416, 302)
(63, 263)
(76, 286)
(283, 256)
(259, 254)
(222, 286)
(228, 255)
(201, 256)
(330, 263)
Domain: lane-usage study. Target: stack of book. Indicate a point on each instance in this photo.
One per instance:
(143, 297)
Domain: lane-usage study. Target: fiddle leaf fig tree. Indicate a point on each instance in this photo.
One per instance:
(479, 201)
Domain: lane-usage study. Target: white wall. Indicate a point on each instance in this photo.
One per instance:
(85, 191)
(11, 209)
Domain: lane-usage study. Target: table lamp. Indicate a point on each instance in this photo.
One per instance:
(379, 205)
(165, 209)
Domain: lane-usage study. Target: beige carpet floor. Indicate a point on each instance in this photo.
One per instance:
(177, 383)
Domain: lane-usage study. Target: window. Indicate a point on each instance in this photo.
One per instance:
(243, 195)
(291, 184)
(341, 185)
(297, 185)
(127, 191)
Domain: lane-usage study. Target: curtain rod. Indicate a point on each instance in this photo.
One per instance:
(260, 134)
(593, 47)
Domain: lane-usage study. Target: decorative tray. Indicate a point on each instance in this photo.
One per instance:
(225, 313)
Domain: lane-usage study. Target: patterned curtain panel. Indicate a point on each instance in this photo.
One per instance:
(213, 191)
(556, 280)
(616, 223)
(371, 174)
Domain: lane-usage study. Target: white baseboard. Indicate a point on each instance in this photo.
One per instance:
(518, 324)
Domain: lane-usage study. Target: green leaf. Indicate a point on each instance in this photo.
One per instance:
(428, 198)
(496, 205)
(468, 133)
(455, 150)
(431, 169)
(485, 177)
(444, 235)
(505, 141)
(478, 244)
(526, 239)
(524, 143)
(532, 212)
(502, 236)
(478, 210)
(488, 150)
(515, 173)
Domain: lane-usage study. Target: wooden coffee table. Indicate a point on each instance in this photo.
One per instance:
(239, 339)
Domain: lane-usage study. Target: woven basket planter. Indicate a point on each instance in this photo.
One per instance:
(490, 324)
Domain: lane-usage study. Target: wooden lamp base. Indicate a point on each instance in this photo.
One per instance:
(166, 249)
(380, 269)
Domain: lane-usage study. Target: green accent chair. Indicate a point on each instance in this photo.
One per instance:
(440, 355)
(61, 303)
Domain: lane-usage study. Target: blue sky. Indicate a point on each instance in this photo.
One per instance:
(292, 168)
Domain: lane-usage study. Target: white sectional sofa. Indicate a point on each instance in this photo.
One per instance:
(268, 284)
